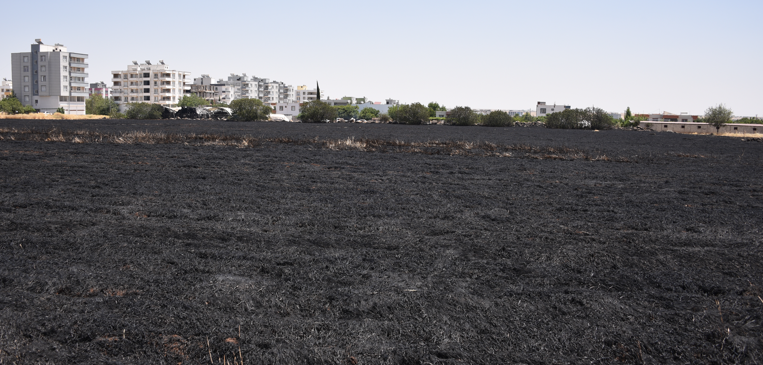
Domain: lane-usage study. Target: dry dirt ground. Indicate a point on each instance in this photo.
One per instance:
(277, 243)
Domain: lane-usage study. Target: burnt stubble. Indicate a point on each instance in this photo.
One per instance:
(588, 247)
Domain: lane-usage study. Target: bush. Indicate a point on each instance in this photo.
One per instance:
(498, 119)
(347, 112)
(317, 111)
(590, 118)
(98, 105)
(11, 105)
(369, 113)
(192, 101)
(462, 115)
(144, 111)
(384, 118)
(61, 110)
(415, 113)
(249, 110)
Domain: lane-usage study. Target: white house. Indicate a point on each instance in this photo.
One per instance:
(6, 89)
(50, 77)
(542, 109)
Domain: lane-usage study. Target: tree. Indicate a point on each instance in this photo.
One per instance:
(317, 111)
(98, 105)
(435, 107)
(384, 118)
(347, 112)
(498, 118)
(462, 115)
(527, 118)
(249, 110)
(369, 113)
(318, 90)
(144, 111)
(590, 118)
(192, 101)
(11, 105)
(628, 115)
(415, 113)
(717, 116)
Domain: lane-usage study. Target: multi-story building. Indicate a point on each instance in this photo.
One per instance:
(6, 89)
(542, 109)
(258, 88)
(50, 77)
(215, 93)
(304, 95)
(100, 88)
(147, 83)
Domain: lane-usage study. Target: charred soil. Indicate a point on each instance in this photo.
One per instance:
(205, 242)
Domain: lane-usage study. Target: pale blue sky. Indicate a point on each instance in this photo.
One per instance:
(677, 56)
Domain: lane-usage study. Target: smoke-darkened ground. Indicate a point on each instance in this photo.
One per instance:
(590, 247)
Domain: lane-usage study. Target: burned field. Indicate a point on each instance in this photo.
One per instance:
(151, 242)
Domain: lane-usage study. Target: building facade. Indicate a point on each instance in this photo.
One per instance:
(304, 95)
(147, 83)
(245, 87)
(669, 117)
(214, 93)
(6, 89)
(100, 88)
(50, 77)
(542, 109)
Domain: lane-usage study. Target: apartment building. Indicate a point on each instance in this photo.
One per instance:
(6, 89)
(259, 88)
(50, 77)
(100, 88)
(304, 95)
(147, 83)
(214, 93)
(542, 109)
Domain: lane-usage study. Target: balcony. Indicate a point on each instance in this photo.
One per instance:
(78, 64)
(77, 55)
(80, 84)
(79, 93)
(78, 74)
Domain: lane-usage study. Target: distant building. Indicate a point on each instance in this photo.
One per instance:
(214, 93)
(669, 117)
(6, 89)
(542, 109)
(289, 109)
(50, 77)
(147, 83)
(304, 95)
(266, 90)
(100, 88)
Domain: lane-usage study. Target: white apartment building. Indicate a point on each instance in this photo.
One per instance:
(215, 93)
(6, 89)
(259, 88)
(50, 77)
(147, 83)
(100, 88)
(542, 109)
(304, 95)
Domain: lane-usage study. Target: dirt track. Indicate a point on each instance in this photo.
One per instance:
(295, 253)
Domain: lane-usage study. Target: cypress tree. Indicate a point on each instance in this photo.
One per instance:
(318, 90)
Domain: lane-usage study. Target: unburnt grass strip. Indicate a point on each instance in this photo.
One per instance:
(433, 147)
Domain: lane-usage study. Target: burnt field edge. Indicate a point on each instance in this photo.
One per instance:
(430, 147)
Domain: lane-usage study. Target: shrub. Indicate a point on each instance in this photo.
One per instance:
(98, 105)
(317, 111)
(347, 112)
(144, 111)
(249, 110)
(61, 110)
(590, 118)
(369, 113)
(498, 119)
(192, 101)
(384, 118)
(462, 115)
(415, 113)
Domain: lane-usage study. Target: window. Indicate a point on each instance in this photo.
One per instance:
(146, 75)
(735, 128)
(43, 78)
(26, 98)
(699, 127)
(146, 82)
(26, 88)
(543, 110)
(43, 58)
(293, 108)
(146, 91)
(156, 76)
(156, 98)
(65, 68)
(43, 68)
(64, 58)
(683, 126)
(26, 59)
(156, 83)
(63, 98)
(156, 91)
(665, 126)
(66, 88)
(146, 98)
(26, 78)
(26, 68)
(44, 88)
(280, 108)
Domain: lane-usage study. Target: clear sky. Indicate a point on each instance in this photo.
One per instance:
(654, 56)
